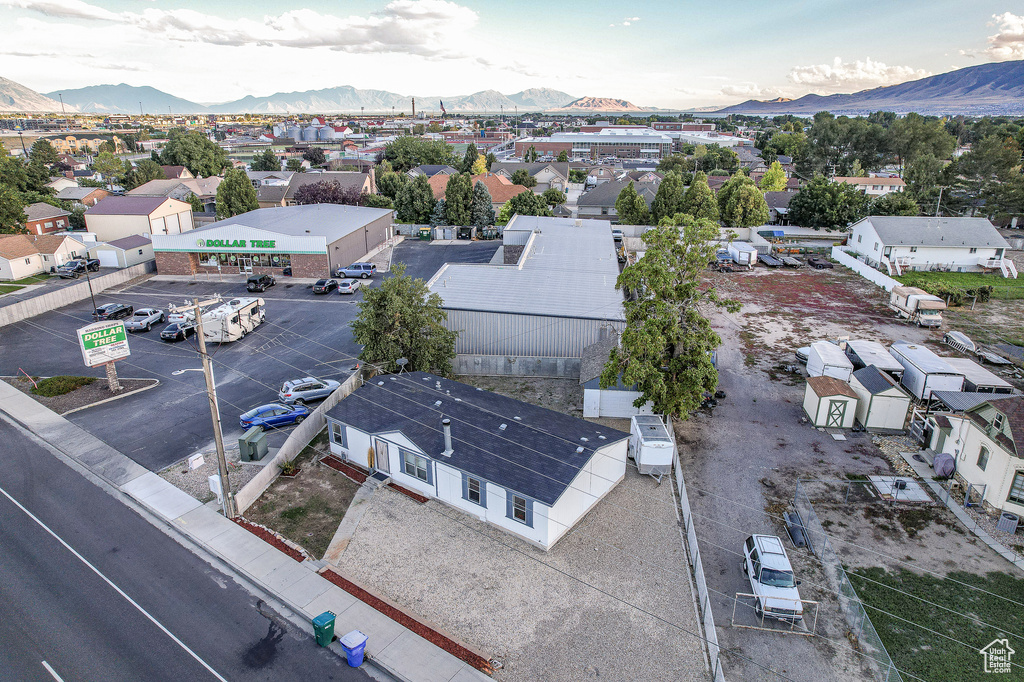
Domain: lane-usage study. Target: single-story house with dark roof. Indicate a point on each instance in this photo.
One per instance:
(527, 470)
(46, 218)
(124, 252)
(121, 216)
(599, 203)
(614, 401)
(86, 196)
(881, 404)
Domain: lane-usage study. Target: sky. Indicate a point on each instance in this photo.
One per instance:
(654, 53)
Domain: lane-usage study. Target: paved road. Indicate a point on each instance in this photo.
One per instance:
(305, 335)
(56, 609)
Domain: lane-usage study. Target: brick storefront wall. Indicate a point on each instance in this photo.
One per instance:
(177, 263)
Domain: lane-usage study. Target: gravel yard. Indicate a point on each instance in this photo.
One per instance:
(612, 600)
(195, 482)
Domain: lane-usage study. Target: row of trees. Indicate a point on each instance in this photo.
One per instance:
(740, 203)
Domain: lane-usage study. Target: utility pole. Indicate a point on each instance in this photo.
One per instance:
(937, 203)
(227, 501)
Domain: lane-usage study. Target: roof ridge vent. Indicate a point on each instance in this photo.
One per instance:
(437, 403)
(503, 427)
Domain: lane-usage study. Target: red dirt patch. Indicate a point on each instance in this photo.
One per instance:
(270, 538)
(427, 633)
(405, 491)
(357, 475)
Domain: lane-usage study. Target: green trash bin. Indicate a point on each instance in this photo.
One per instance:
(323, 628)
(425, 234)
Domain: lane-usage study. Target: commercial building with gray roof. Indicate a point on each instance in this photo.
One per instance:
(535, 315)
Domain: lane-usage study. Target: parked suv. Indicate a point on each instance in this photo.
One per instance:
(74, 268)
(362, 270)
(112, 311)
(307, 389)
(259, 282)
(771, 579)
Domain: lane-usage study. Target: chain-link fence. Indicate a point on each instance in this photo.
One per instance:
(849, 603)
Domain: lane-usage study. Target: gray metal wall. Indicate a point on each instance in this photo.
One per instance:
(504, 365)
(486, 333)
(354, 246)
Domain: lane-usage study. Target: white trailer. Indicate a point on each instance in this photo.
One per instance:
(828, 360)
(866, 353)
(650, 445)
(743, 254)
(233, 320)
(915, 305)
(924, 371)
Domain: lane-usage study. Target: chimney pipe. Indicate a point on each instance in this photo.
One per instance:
(447, 424)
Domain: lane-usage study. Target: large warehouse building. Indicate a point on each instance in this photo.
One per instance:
(305, 241)
(549, 293)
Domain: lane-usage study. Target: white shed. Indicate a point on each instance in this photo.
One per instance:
(743, 253)
(881, 404)
(614, 401)
(830, 402)
(828, 359)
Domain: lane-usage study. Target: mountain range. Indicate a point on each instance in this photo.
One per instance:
(987, 89)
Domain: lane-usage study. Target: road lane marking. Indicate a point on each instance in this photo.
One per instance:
(52, 672)
(116, 588)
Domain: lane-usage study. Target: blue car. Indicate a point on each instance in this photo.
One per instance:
(273, 416)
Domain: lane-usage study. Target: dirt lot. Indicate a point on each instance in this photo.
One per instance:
(306, 509)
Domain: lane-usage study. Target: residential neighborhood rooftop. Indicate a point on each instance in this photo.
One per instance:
(128, 205)
(915, 231)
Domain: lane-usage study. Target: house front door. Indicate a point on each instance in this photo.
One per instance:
(836, 413)
(380, 456)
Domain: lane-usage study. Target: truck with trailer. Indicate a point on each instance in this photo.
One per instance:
(916, 305)
(234, 319)
(650, 445)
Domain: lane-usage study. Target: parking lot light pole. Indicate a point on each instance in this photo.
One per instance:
(227, 501)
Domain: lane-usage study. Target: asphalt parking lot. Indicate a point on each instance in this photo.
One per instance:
(304, 335)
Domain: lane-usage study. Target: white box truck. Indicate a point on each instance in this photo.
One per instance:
(915, 305)
(650, 445)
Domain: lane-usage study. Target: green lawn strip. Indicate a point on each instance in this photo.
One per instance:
(9, 289)
(1002, 287)
(930, 656)
(60, 385)
(34, 279)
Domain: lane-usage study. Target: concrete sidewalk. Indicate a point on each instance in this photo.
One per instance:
(392, 647)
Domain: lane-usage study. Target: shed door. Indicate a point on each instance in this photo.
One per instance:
(836, 413)
(107, 258)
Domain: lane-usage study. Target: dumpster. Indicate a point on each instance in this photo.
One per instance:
(354, 643)
(323, 628)
(252, 446)
(424, 234)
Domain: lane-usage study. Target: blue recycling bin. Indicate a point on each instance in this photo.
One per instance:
(354, 643)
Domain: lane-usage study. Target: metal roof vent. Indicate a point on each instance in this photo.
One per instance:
(602, 437)
(503, 427)
(579, 450)
(437, 403)
(447, 424)
(518, 419)
(458, 400)
(394, 379)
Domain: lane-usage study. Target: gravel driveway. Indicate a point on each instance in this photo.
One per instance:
(556, 616)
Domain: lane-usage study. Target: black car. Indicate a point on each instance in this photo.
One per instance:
(74, 268)
(259, 282)
(819, 263)
(113, 311)
(325, 286)
(178, 331)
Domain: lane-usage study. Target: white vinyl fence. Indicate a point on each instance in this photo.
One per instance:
(863, 269)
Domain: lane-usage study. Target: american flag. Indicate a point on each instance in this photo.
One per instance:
(442, 107)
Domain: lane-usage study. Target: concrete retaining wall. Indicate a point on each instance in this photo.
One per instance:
(70, 294)
(863, 269)
(298, 439)
(503, 365)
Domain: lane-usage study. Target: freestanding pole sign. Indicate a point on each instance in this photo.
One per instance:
(103, 343)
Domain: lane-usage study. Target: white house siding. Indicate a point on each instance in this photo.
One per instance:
(17, 268)
(866, 242)
(965, 443)
(608, 403)
(603, 472)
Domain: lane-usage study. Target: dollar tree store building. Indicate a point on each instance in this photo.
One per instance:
(302, 241)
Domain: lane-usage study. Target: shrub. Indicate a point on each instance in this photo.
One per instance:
(60, 385)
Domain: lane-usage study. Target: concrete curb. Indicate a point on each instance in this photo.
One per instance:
(156, 382)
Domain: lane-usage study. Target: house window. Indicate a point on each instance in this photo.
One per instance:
(860, 238)
(474, 490)
(913, 249)
(28, 261)
(415, 465)
(338, 435)
(45, 257)
(48, 225)
(973, 250)
(519, 508)
(1017, 489)
(997, 421)
(876, 246)
(983, 458)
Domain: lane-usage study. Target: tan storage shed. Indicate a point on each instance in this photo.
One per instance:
(830, 402)
(881, 404)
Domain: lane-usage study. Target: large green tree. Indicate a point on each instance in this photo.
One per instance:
(458, 196)
(913, 136)
(774, 179)
(235, 195)
(407, 152)
(825, 204)
(630, 207)
(315, 156)
(725, 192)
(522, 177)
(415, 201)
(553, 196)
(110, 167)
(895, 203)
(12, 211)
(389, 183)
(43, 152)
(143, 172)
(676, 162)
(469, 158)
(666, 347)
(266, 161)
(193, 150)
(746, 207)
(527, 203)
(400, 318)
(699, 201)
(481, 209)
(669, 199)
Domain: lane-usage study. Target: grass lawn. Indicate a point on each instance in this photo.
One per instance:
(1002, 287)
(9, 289)
(930, 656)
(34, 279)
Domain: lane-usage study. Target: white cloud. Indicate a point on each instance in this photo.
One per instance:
(849, 76)
(626, 22)
(751, 90)
(1008, 41)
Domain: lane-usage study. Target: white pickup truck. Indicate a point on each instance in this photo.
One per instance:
(916, 305)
